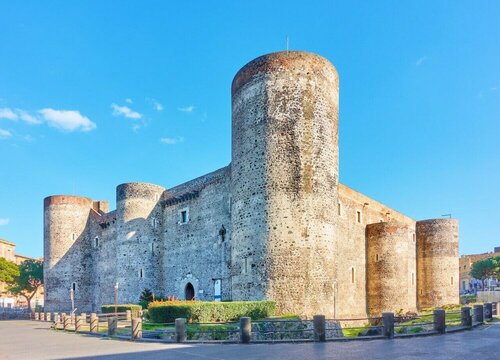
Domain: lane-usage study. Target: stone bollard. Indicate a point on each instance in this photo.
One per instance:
(180, 330)
(73, 317)
(488, 311)
(78, 323)
(66, 321)
(37, 315)
(48, 316)
(94, 323)
(440, 321)
(128, 315)
(42, 316)
(84, 318)
(136, 328)
(388, 324)
(57, 319)
(498, 309)
(465, 318)
(479, 313)
(112, 325)
(245, 330)
(319, 324)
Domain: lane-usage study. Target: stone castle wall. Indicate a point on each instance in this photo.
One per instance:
(274, 224)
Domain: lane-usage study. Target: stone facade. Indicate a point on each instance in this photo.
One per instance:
(467, 282)
(274, 224)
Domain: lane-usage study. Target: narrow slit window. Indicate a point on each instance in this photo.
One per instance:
(73, 287)
(358, 216)
(451, 280)
(96, 241)
(339, 209)
(376, 257)
(352, 275)
(412, 279)
(141, 273)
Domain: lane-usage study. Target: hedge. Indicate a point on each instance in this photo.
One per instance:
(209, 311)
(135, 309)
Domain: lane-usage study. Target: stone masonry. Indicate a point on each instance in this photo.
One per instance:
(274, 224)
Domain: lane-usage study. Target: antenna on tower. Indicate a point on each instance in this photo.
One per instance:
(286, 44)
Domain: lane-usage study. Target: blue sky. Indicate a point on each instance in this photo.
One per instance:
(97, 93)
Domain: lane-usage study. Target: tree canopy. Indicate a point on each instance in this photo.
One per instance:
(9, 271)
(485, 268)
(29, 280)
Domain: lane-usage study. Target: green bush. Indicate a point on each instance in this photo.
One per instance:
(135, 309)
(204, 311)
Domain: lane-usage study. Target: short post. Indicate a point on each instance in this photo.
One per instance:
(245, 330)
(498, 309)
(129, 315)
(319, 324)
(37, 315)
(84, 318)
(94, 323)
(112, 325)
(136, 328)
(78, 323)
(57, 319)
(440, 321)
(48, 316)
(63, 315)
(488, 311)
(388, 324)
(66, 321)
(465, 318)
(42, 316)
(180, 330)
(479, 313)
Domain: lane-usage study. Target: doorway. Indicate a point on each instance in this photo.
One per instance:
(189, 291)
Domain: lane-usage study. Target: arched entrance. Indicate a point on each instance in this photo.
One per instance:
(189, 291)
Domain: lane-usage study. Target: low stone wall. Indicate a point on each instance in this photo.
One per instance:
(488, 296)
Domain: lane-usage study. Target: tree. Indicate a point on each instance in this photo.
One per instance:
(8, 271)
(29, 280)
(485, 268)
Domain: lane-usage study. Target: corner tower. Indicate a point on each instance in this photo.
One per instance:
(437, 262)
(284, 180)
(65, 222)
(138, 231)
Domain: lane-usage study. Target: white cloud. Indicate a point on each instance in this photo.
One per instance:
(67, 120)
(128, 100)
(495, 88)
(157, 105)
(172, 141)
(4, 134)
(6, 113)
(187, 109)
(4, 221)
(125, 111)
(28, 118)
(421, 60)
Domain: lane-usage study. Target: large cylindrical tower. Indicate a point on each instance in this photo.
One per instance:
(284, 181)
(65, 221)
(391, 268)
(138, 229)
(437, 262)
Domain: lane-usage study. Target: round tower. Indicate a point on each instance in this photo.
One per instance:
(391, 268)
(437, 262)
(284, 181)
(138, 227)
(65, 221)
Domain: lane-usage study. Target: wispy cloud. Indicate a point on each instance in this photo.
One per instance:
(67, 120)
(128, 101)
(5, 134)
(4, 221)
(6, 113)
(495, 88)
(421, 60)
(172, 141)
(125, 111)
(157, 105)
(28, 118)
(187, 109)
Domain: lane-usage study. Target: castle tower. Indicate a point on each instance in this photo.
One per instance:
(284, 181)
(65, 222)
(391, 268)
(437, 262)
(138, 230)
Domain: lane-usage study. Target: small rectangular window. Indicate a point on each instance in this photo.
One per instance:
(184, 216)
(339, 209)
(73, 287)
(352, 275)
(452, 280)
(141, 273)
(358, 216)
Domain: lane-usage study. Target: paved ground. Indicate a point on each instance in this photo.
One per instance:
(33, 340)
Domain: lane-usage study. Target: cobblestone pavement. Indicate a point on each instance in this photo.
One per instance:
(34, 340)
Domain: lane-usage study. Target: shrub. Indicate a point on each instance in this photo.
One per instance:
(204, 311)
(135, 309)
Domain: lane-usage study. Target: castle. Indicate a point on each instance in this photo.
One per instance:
(273, 224)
